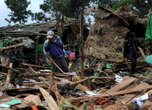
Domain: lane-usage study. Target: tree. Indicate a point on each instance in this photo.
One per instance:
(68, 8)
(63, 8)
(39, 17)
(19, 12)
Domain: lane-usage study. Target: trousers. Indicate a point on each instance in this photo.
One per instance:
(61, 62)
(131, 66)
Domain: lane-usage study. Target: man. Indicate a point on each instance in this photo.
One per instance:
(131, 49)
(54, 47)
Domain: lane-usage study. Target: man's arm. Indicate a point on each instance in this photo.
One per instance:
(46, 47)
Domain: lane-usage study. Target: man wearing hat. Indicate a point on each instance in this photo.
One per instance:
(53, 46)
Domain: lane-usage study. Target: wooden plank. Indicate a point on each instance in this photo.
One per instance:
(58, 96)
(12, 46)
(49, 99)
(36, 75)
(34, 99)
(126, 82)
(89, 78)
(82, 87)
(141, 87)
(127, 99)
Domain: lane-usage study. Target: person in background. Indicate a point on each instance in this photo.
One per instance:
(53, 47)
(131, 49)
(72, 56)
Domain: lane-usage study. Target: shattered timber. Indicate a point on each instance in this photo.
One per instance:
(27, 82)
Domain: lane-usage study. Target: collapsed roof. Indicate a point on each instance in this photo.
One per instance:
(106, 37)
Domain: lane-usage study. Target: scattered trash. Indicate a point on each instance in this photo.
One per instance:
(118, 78)
(65, 81)
(140, 100)
(76, 78)
(71, 73)
(146, 74)
(91, 93)
(10, 103)
(148, 59)
(124, 73)
(107, 66)
(46, 70)
(97, 73)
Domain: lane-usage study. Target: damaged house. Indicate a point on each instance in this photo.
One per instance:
(26, 42)
(106, 37)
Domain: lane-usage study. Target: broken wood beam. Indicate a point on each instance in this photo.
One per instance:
(17, 71)
(17, 91)
(22, 34)
(12, 46)
(81, 43)
(85, 79)
(9, 75)
(35, 66)
(57, 94)
(126, 82)
(49, 99)
(141, 87)
(31, 84)
(36, 75)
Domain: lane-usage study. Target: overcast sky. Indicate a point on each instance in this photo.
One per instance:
(4, 11)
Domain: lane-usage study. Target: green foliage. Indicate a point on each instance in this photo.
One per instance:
(68, 8)
(40, 17)
(19, 12)
(118, 3)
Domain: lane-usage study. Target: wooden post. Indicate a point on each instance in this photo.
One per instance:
(36, 52)
(9, 75)
(62, 23)
(82, 44)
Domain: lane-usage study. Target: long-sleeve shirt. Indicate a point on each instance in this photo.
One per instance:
(54, 49)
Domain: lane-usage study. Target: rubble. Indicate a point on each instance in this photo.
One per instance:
(48, 90)
(107, 35)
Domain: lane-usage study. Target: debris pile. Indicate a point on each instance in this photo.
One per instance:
(103, 89)
(107, 34)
